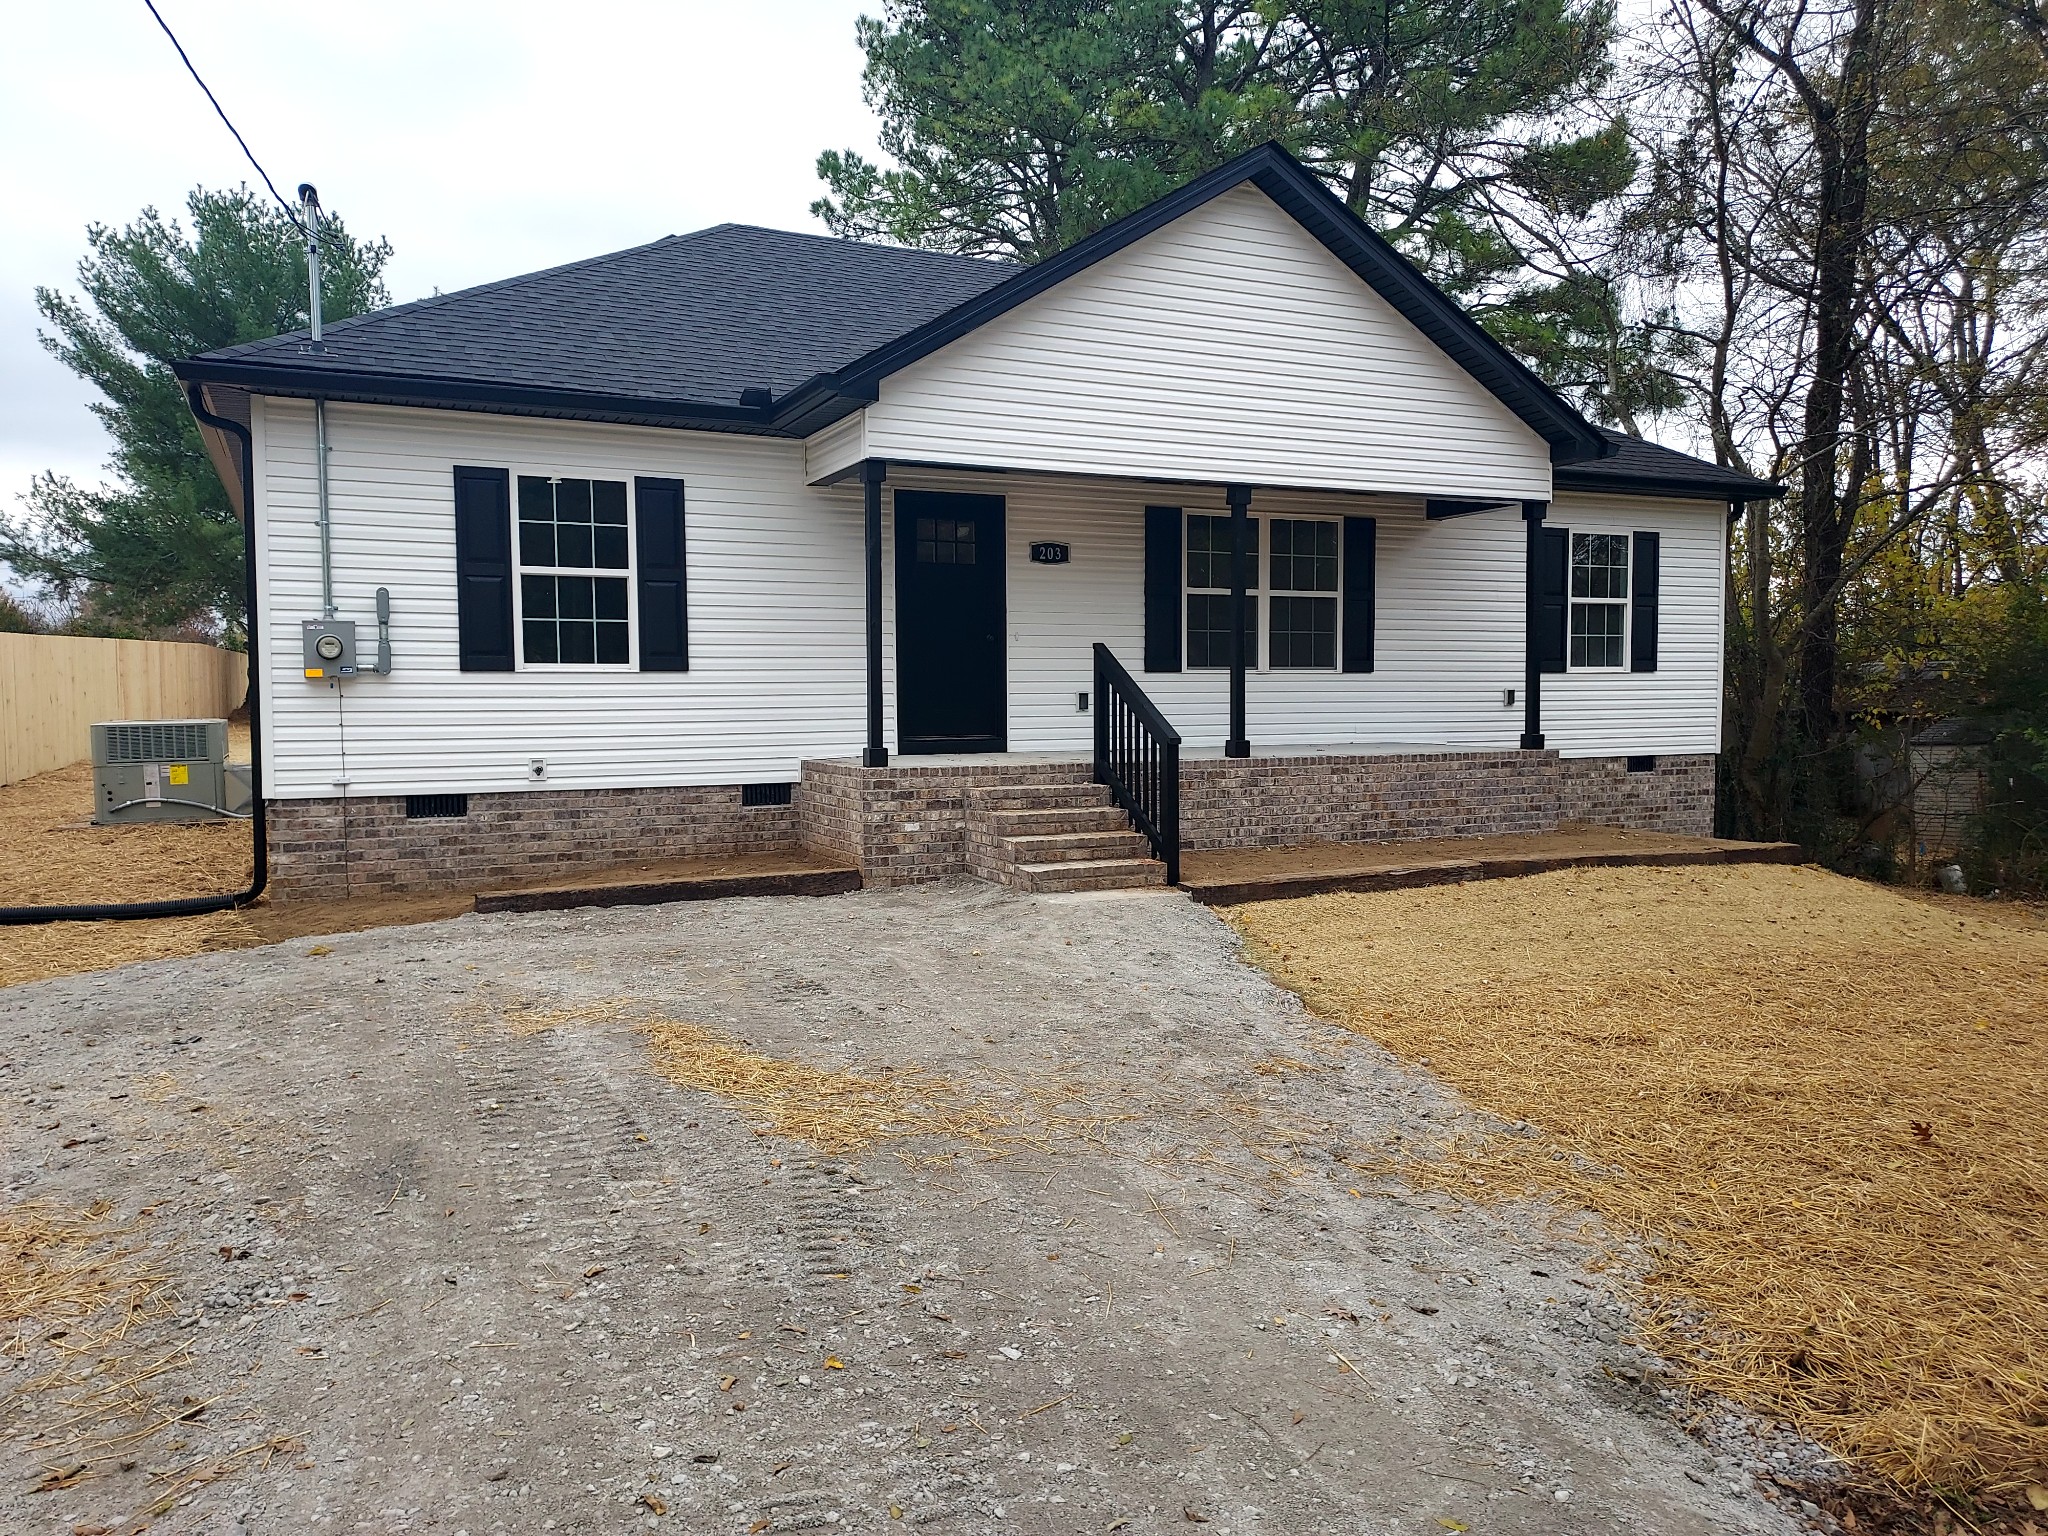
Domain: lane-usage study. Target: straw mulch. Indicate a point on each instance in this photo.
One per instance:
(838, 1111)
(77, 1295)
(1817, 1104)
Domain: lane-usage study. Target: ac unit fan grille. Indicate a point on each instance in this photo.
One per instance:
(153, 741)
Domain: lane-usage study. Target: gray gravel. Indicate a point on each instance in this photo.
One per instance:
(498, 1282)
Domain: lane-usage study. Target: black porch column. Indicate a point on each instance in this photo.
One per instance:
(1533, 513)
(1240, 498)
(872, 473)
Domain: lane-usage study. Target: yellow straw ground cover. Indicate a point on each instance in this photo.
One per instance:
(1821, 1105)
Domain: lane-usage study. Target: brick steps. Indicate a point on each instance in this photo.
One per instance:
(1056, 837)
(1052, 821)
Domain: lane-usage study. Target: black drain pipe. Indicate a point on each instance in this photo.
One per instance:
(195, 906)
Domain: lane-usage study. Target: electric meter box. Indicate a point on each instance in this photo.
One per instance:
(330, 646)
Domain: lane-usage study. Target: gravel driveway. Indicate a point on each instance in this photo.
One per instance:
(506, 1278)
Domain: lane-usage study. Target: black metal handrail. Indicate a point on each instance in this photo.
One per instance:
(1137, 754)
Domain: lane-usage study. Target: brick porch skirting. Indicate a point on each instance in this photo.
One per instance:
(327, 849)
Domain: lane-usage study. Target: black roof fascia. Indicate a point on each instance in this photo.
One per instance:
(476, 395)
(1717, 488)
(1284, 179)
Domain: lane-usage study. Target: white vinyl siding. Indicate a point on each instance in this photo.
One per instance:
(775, 613)
(1230, 345)
(777, 629)
(1677, 708)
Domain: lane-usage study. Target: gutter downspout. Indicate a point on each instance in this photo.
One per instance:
(194, 906)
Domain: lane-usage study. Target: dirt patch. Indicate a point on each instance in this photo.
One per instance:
(1817, 1100)
(41, 951)
(438, 1219)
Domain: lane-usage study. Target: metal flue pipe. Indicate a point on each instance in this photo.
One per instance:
(309, 217)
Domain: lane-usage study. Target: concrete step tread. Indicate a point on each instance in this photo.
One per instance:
(1020, 797)
(1052, 820)
(1090, 874)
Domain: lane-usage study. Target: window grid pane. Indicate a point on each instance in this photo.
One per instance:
(1209, 630)
(573, 524)
(1209, 553)
(1304, 631)
(1600, 565)
(1596, 634)
(1304, 556)
(575, 620)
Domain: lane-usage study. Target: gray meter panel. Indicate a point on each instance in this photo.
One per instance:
(330, 647)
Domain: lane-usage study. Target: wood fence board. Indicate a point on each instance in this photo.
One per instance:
(53, 687)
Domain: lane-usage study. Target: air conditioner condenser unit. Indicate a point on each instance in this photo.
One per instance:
(164, 770)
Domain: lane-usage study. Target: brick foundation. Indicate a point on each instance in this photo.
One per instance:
(507, 839)
(909, 822)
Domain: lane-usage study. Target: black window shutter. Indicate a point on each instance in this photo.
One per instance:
(483, 568)
(664, 583)
(1642, 637)
(1553, 579)
(1361, 535)
(1162, 589)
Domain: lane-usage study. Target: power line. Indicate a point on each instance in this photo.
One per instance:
(289, 211)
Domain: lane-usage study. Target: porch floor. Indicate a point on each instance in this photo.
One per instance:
(1225, 877)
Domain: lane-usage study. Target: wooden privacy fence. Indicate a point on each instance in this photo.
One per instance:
(52, 687)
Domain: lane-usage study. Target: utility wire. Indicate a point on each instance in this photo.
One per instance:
(289, 211)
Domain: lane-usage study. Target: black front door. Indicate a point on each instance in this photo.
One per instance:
(949, 623)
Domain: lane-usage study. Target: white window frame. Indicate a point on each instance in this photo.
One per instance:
(1261, 631)
(1625, 603)
(521, 570)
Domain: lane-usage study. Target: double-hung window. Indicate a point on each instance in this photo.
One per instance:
(1303, 593)
(575, 572)
(1291, 592)
(1599, 601)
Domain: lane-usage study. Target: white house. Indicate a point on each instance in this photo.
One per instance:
(745, 540)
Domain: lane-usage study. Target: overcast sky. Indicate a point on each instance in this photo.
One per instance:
(482, 139)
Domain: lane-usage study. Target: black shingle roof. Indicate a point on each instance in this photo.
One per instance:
(672, 333)
(1638, 465)
(695, 318)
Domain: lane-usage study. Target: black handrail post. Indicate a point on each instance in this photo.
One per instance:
(1169, 806)
(1238, 744)
(1102, 705)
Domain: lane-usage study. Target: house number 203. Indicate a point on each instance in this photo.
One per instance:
(1048, 554)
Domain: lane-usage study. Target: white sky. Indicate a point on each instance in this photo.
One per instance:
(483, 139)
